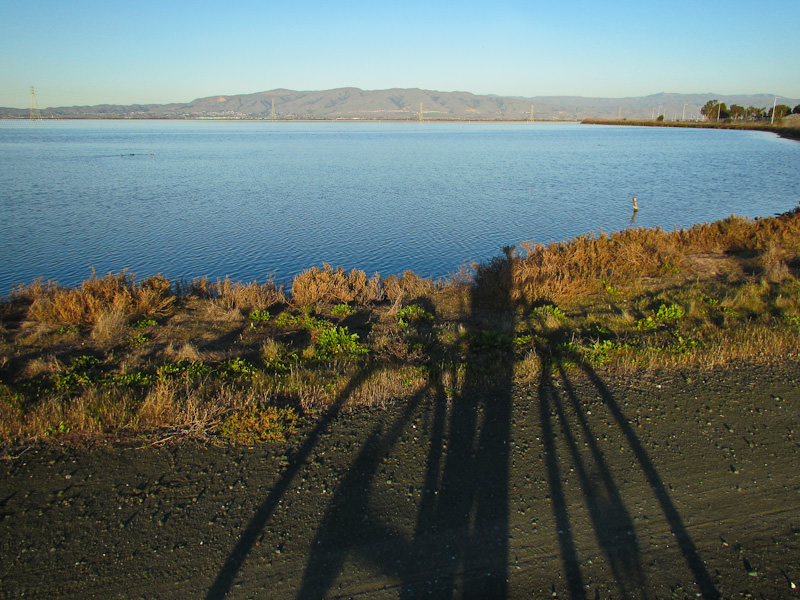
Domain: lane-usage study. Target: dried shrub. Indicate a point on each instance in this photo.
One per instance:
(736, 234)
(109, 326)
(560, 270)
(187, 352)
(98, 296)
(271, 351)
(154, 296)
(174, 404)
(242, 297)
(254, 424)
(563, 269)
(774, 264)
(200, 288)
(495, 281)
(335, 285)
(407, 287)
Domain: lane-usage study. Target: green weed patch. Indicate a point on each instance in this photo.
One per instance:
(255, 424)
(338, 342)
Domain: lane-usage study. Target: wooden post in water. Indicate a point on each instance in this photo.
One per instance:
(635, 205)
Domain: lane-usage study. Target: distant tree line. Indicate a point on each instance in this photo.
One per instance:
(714, 110)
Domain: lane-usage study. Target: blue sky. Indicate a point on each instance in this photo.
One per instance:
(91, 52)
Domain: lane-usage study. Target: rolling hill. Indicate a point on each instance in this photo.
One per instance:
(406, 104)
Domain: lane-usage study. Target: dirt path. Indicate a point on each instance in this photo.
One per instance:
(583, 485)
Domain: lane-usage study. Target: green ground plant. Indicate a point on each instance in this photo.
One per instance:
(338, 342)
(260, 315)
(145, 323)
(412, 313)
(342, 310)
(303, 320)
(138, 340)
(254, 424)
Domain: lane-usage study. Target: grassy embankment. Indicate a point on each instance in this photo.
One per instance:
(787, 127)
(246, 361)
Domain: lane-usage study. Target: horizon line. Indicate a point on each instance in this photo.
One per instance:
(713, 95)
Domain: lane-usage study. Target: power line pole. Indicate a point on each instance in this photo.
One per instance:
(774, 104)
(36, 115)
(420, 111)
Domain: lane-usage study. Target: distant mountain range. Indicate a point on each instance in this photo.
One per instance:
(407, 104)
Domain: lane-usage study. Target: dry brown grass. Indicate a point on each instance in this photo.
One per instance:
(408, 287)
(244, 297)
(333, 285)
(561, 270)
(579, 266)
(271, 350)
(41, 366)
(753, 342)
(93, 412)
(187, 351)
(773, 263)
(97, 296)
(173, 405)
(109, 326)
(384, 386)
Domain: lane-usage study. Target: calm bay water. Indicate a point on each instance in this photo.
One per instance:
(260, 199)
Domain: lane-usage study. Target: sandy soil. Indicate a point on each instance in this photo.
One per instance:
(582, 485)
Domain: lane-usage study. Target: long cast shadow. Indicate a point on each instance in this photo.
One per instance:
(611, 521)
(690, 553)
(459, 547)
(460, 543)
(348, 522)
(224, 580)
(569, 554)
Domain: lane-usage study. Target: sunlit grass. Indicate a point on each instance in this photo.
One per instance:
(248, 362)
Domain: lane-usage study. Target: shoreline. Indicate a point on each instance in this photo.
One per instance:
(613, 417)
(785, 131)
(704, 296)
(301, 120)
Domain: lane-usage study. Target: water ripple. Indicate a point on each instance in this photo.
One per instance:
(252, 200)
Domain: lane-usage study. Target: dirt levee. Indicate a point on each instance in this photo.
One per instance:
(583, 485)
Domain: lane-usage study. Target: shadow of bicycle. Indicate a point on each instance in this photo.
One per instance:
(458, 546)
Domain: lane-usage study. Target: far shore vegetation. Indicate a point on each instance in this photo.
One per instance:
(146, 361)
(780, 119)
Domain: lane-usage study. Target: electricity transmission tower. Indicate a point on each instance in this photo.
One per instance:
(36, 115)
